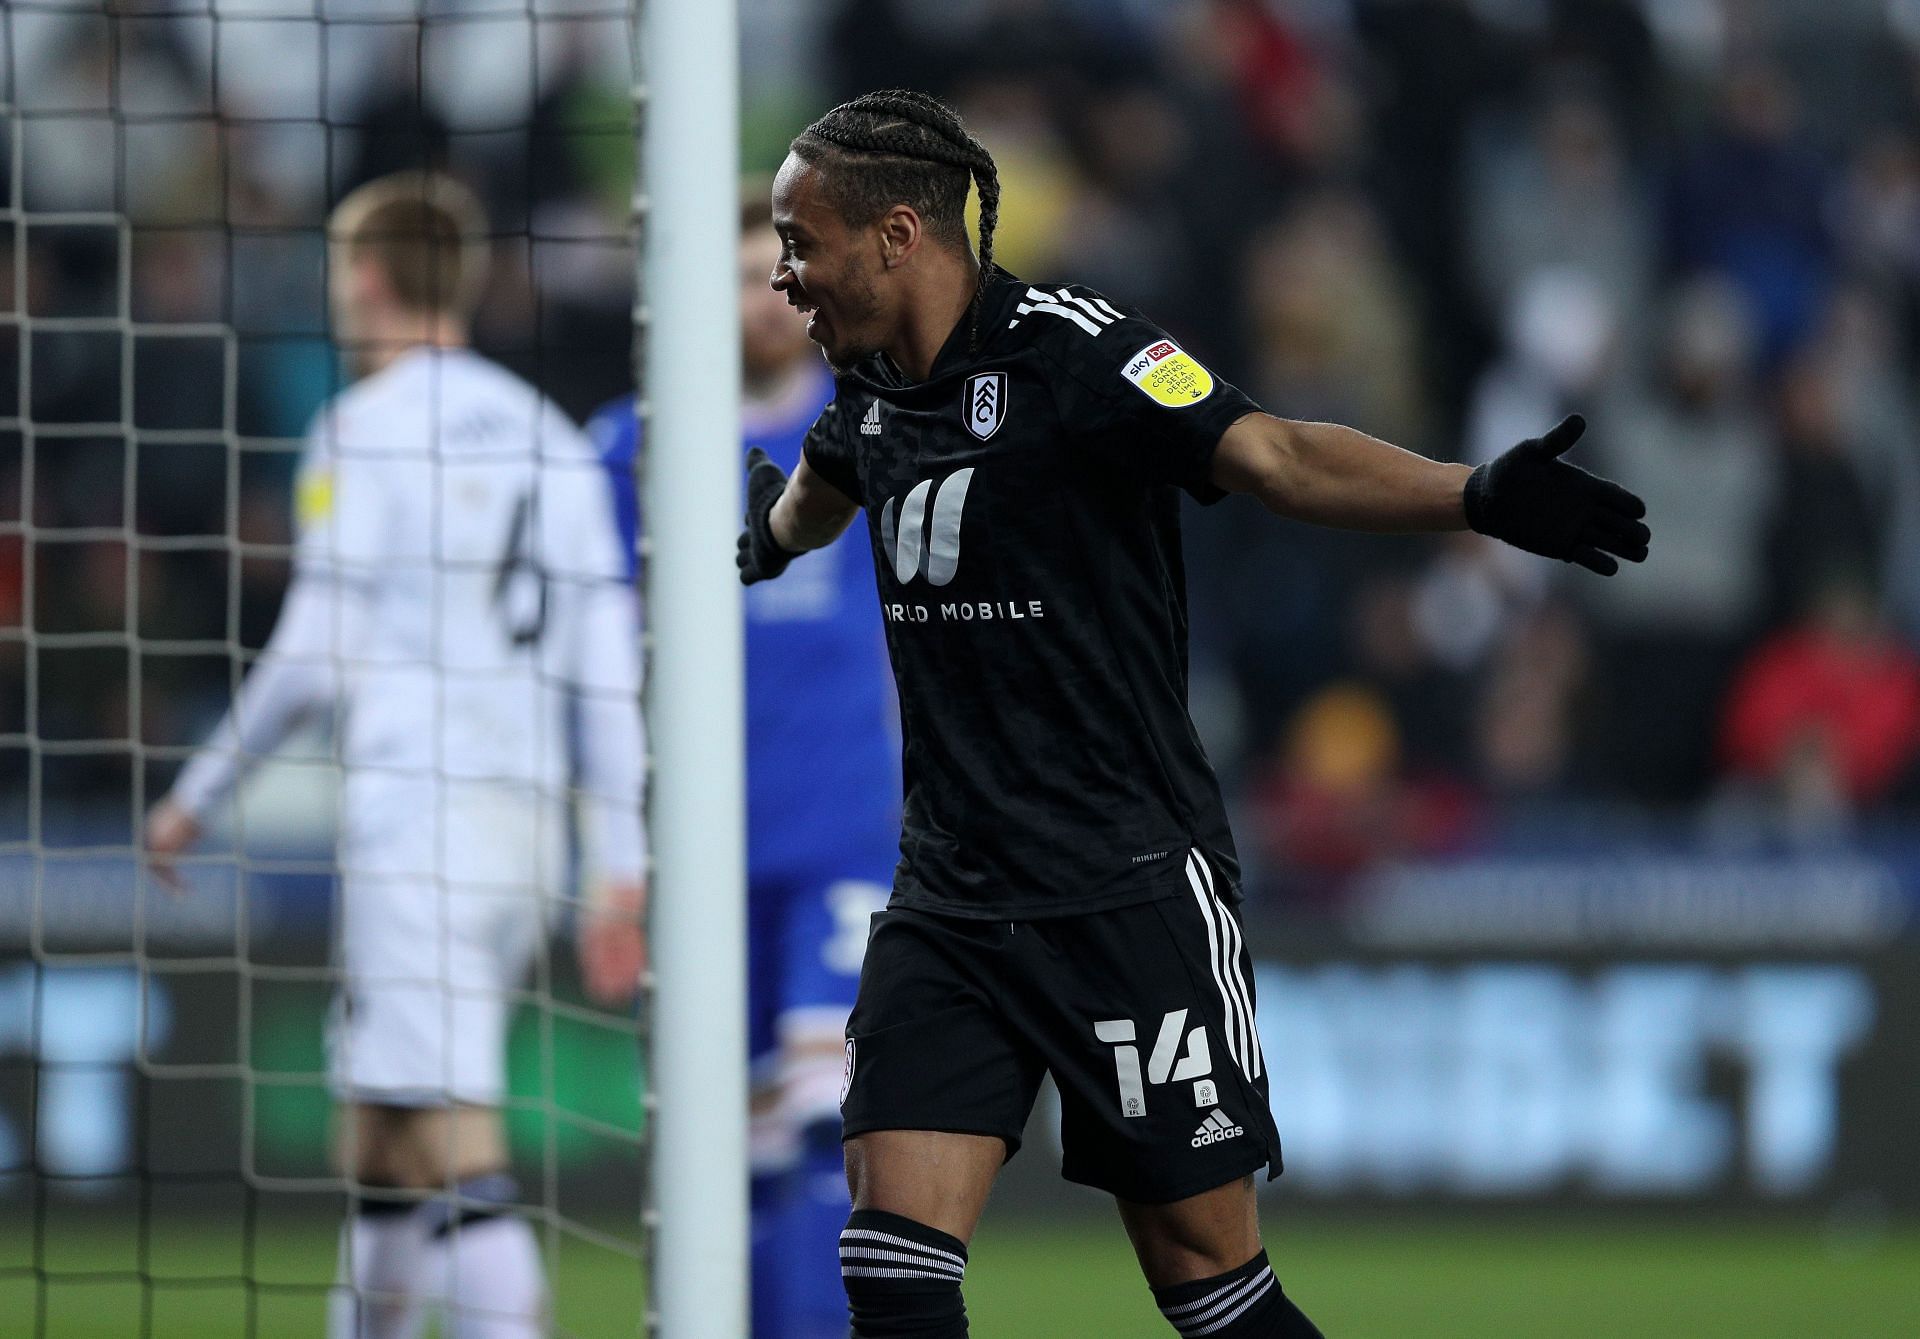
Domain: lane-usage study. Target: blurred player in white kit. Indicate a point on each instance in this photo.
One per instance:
(460, 599)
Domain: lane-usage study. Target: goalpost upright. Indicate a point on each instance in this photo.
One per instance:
(688, 318)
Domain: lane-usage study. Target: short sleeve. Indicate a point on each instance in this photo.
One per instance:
(1133, 398)
(829, 453)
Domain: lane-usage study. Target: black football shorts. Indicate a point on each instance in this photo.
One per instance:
(1142, 1014)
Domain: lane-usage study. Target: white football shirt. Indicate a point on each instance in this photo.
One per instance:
(459, 596)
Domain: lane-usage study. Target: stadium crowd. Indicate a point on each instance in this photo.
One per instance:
(1447, 222)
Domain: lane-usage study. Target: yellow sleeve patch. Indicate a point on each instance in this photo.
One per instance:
(1168, 375)
(313, 498)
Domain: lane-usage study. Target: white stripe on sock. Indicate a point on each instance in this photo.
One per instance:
(1180, 1314)
(1234, 1314)
(871, 1234)
(875, 1272)
(901, 1258)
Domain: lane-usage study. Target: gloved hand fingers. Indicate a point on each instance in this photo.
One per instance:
(758, 457)
(1593, 560)
(1618, 535)
(1563, 434)
(1610, 495)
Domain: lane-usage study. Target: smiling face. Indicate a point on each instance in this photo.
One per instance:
(830, 270)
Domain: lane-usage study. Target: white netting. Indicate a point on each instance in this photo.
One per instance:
(165, 171)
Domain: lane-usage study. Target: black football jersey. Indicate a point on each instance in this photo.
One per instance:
(1025, 521)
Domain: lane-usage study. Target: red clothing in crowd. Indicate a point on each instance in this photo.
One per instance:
(1857, 700)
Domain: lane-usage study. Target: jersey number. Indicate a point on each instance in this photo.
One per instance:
(519, 583)
(1165, 1065)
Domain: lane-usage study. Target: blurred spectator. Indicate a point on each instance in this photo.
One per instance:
(398, 128)
(1335, 335)
(1295, 105)
(1562, 331)
(1036, 174)
(1390, 631)
(1879, 223)
(1528, 731)
(1612, 42)
(1748, 199)
(1338, 799)
(1560, 197)
(1826, 712)
(1868, 368)
(1826, 526)
(1693, 445)
(1133, 145)
(1434, 67)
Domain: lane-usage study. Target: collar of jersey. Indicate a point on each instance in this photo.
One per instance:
(879, 374)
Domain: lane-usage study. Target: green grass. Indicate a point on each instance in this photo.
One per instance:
(1392, 1277)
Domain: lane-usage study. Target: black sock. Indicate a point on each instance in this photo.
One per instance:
(902, 1278)
(1245, 1303)
(474, 1200)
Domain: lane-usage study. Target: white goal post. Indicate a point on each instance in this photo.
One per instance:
(688, 315)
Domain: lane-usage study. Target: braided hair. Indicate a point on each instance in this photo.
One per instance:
(902, 147)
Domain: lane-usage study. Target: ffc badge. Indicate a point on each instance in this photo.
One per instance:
(985, 403)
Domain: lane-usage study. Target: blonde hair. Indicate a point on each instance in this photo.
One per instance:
(426, 232)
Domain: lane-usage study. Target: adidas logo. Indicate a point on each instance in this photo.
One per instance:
(870, 425)
(1215, 1128)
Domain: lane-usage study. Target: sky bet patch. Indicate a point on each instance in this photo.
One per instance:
(1168, 375)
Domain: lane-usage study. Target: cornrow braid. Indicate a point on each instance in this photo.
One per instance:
(898, 146)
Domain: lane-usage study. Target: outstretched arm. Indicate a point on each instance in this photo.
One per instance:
(1529, 497)
(1338, 476)
(787, 516)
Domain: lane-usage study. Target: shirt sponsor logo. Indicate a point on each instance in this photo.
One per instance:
(983, 404)
(924, 540)
(1168, 375)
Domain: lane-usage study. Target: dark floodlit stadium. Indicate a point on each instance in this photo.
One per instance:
(852, 669)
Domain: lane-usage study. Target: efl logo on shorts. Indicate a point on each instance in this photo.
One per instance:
(984, 403)
(1215, 1129)
(846, 1074)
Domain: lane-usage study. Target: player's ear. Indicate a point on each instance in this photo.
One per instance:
(900, 235)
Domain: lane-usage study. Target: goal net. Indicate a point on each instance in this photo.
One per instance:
(166, 171)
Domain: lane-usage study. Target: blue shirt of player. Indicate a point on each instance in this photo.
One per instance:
(823, 765)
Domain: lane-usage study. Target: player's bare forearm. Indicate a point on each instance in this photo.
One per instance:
(1338, 476)
(811, 513)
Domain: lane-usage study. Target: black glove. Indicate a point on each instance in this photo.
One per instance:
(761, 557)
(1533, 500)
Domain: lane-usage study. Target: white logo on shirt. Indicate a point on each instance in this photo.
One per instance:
(923, 540)
(870, 425)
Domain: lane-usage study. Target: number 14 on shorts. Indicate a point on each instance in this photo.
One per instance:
(1164, 1065)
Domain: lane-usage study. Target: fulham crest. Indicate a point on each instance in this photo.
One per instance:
(984, 403)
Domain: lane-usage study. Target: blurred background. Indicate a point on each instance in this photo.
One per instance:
(1583, 908)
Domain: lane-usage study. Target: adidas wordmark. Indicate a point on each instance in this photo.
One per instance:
(870, 425)
(1215, 1128)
